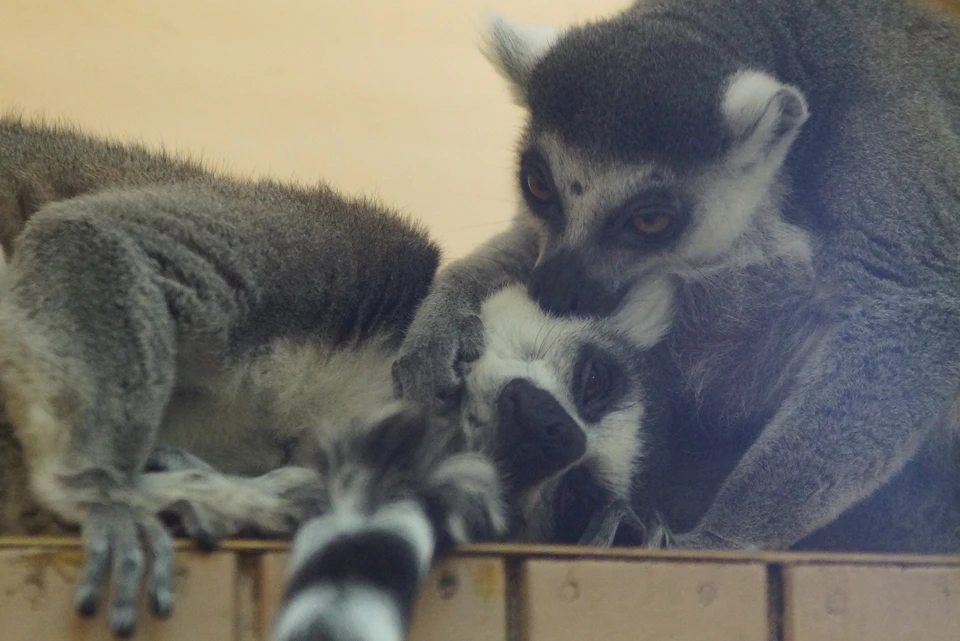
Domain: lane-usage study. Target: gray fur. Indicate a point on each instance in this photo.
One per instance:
(457, 477)
(177, 342)
(810, 304)
(139, 278)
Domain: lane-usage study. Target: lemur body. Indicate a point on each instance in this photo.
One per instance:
(780, 177)
(559, 422)
(175, 341)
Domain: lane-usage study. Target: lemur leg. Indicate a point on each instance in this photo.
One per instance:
(398, 494)
(95, 307)
(87, 355)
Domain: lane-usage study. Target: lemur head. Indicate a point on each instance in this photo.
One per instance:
(559, 404)
(649, 149)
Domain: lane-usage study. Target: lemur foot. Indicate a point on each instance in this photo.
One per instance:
(114, 537)
(213, 510)
(209, 506)
(697, 539)
(615, 525)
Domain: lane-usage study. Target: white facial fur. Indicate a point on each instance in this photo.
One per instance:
(521, 341)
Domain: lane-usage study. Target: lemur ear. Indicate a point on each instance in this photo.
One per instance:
(762, 115)
(515, 48)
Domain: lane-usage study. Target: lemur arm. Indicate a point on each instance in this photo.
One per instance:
(863, 404)
(446, 330)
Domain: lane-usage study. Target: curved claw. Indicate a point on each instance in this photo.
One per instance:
(203, 533)
(614, 524)
(699, 539)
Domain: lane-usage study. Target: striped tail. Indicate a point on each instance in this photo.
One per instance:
(357, 578)
(401, 492)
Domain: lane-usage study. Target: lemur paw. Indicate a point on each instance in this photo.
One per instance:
(429, 369)
(615, 525)
(209, 507)
(114, 537)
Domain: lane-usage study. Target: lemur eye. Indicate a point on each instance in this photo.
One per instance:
(593, 382)
(652, 223)
(537, 186)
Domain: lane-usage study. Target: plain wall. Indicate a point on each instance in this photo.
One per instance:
(386, 97)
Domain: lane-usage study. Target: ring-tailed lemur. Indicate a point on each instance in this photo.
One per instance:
(559, 405)
(172, 340)
(140, 292)
(781, 175)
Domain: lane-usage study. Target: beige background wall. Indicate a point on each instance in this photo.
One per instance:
(387, 97)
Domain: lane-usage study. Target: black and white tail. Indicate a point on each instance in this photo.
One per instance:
(400, 493)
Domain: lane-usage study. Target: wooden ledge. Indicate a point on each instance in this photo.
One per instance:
(519, 552)
(531, 593)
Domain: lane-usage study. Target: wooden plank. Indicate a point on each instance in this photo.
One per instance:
(463, 598)
(861, 603)
(527, 551)
(37, 588)
(273, 573)
(635, 601)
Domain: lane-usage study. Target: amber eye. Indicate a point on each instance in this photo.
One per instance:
(652, 223)
(538, 187)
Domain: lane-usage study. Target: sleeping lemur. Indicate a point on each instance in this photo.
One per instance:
(173, 341)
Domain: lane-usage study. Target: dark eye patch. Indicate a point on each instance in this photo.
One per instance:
(599, 382)
(538, 187)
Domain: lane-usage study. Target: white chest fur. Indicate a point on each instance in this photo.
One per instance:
(275, 408)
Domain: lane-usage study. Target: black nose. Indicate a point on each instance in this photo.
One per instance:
(536, 436)
(561, 286)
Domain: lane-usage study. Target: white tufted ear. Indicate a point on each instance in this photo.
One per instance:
(762, 114)
(515, 48)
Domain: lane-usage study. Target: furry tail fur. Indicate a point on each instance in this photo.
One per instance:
(400, 494)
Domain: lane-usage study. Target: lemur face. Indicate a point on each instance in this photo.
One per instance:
(559, 404)
(647, 153)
